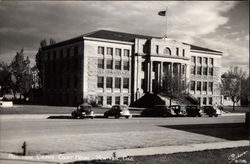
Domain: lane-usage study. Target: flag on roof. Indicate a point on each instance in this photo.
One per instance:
(162, 13)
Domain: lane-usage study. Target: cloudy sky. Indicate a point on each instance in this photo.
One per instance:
(219, 25)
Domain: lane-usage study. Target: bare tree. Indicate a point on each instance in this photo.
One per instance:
(231, 83)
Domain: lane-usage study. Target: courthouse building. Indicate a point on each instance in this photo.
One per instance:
(118, 68)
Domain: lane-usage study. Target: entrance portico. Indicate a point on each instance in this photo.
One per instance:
(165, 76)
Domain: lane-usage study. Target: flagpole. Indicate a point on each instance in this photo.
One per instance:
(166, 23)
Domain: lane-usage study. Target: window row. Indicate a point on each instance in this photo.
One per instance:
(167, 51)
(63, 83)
(52, 55)
(60, 66)
(110, 80)
(205, 100)
(206, 86)
(198, 70)
(201, 60)
(110, 51)
(109, 100)
(109, 64)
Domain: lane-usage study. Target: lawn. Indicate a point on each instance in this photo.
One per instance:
(222, 156)
(238, 109)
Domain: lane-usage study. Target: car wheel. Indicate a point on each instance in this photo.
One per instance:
(216, 115)
(106, 115)
(210, 115)
(92, 117)
(126, 117)
(117, 116)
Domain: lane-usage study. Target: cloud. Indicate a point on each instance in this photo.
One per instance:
(25, 24)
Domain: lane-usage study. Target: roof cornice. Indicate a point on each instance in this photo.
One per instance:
(108, 40)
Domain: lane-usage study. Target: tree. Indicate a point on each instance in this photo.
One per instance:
(21, 77)
(52, 41)
(231, 83)
(5, 79)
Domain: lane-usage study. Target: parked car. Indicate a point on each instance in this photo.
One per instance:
(211, 111)
(83, 111)
(193, 111)
(179, 110)
(118, 111)
(158, 111)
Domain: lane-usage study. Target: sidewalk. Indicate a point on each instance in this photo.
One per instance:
(77, 156)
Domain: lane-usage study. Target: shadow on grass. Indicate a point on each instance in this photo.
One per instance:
(229, 131)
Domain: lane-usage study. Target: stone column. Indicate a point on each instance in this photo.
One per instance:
(171, 76)
(150, 76)
(161, 75)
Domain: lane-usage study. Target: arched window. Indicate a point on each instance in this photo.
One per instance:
(167, 51)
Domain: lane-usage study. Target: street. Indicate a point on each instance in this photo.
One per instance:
(54, 136)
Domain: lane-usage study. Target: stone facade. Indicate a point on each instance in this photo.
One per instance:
(118, 68)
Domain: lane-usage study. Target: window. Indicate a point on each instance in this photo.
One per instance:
(199, 70)
(193, 70)
(204, 101)
(125, 100)
(100, 63)
(68, 52)
(75, 82)
(167, 51)
(183, 52)
(210, 100)
(100, 82)
(199, 100)
(157, 49)
(125, 83)
(143, 66)
(198, 86)
(54, 55)
(109, 100)
(117, 82)
(117, 100)
(125, 65)
(205, 60)
(68, 83)
(177, 51)
(193, 59)
(211, 61)
(204, 88)
(118, 52)
(192, 85)
(204, 70)
(118, 64)
(61, 53)
(109, 51)
(126, 53)
(210, 86)
(142, 84)
(199, 60)
(109, 82)
(100, 100)
(75, 51)
(211, 72)
(100, 50)
(109, 64)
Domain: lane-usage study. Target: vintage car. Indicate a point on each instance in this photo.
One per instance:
(179, 110)
(211, 111)
(193, 111)
(118, 111)
(83, 111)
(158, 111)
